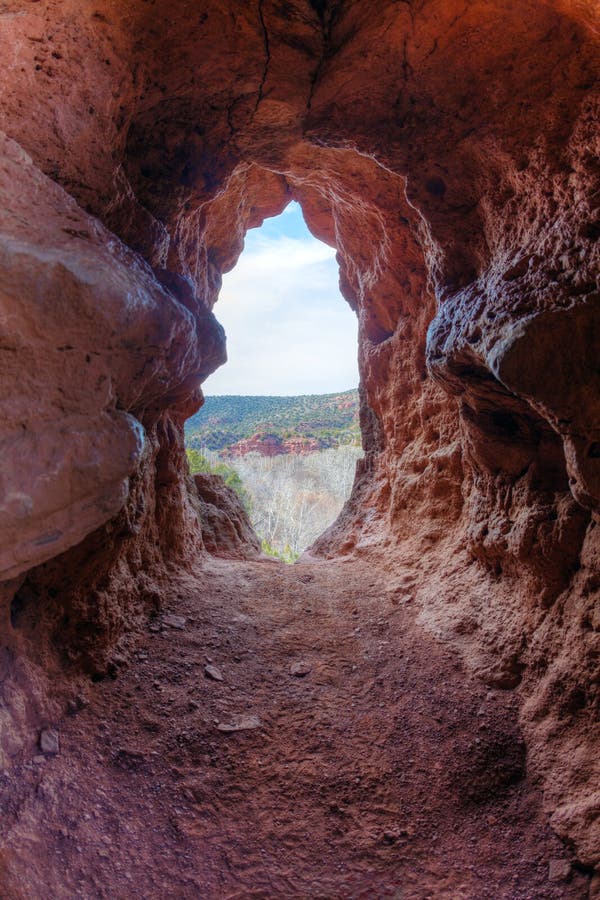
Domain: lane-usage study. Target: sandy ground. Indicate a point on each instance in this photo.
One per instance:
(375, 767)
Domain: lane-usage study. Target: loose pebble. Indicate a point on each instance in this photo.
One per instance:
(213, 673)
(49, 742)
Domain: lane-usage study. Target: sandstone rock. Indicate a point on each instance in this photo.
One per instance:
(240, 723)
(173, 621)
(49, 742)
(226, 528)
(76, 704)
(262, 443)
(83, 288)
(300, 669)
(559, 869)
(213, 673)
(273, 445)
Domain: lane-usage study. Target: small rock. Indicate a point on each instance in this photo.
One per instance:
(174, 621)
(39, 759)
(76, 704)
(193, 705)
(213, 673)
(154, 628)
(559, 869)
(119, 660)
(300, 669)
(240, 723)
(336, 808)
(49, 743)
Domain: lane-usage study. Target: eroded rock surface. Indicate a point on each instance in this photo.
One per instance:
(226, 528)
(449, 151)
(274, 445)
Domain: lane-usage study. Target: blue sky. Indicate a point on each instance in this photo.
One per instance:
(289, 330)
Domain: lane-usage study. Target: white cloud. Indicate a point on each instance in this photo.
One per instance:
(289, 331)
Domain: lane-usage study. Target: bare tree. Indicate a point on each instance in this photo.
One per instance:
(294, 498)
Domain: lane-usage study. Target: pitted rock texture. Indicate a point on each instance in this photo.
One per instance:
(449, 151)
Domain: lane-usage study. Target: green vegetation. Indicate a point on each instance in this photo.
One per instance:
(199, 463)
(287, 555)
(290, 498)
(222, 421)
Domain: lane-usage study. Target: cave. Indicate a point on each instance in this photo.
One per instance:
(442, 663)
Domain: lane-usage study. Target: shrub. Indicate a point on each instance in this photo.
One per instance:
(199, 464)
(287, 555)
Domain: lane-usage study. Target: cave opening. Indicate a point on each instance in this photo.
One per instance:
(280, 421)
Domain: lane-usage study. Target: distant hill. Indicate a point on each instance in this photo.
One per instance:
(310, 421)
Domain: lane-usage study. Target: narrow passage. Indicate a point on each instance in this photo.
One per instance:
(344, 754)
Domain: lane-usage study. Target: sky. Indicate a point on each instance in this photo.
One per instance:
(289, 330)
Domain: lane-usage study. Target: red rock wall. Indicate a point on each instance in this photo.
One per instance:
(450, 152)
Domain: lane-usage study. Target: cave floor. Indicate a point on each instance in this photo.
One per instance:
(385, 771)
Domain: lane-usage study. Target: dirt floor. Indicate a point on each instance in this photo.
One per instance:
(368, 764)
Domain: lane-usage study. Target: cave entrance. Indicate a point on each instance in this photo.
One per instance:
(280, 422)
